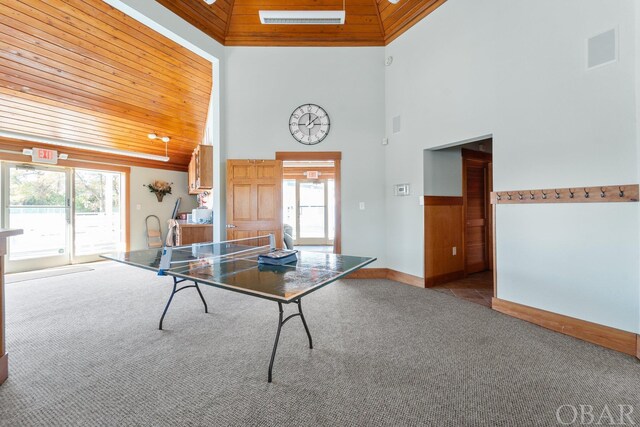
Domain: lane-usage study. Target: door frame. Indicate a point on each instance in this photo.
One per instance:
(314, 240)
(7, 156)
(336, 156)
(51, 261)
(487, 159)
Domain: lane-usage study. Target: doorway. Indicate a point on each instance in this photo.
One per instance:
(311, 201)
(476, 195)
(458, 220)
(68, 215)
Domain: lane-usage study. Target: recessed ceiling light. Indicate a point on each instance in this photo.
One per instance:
(209, 1)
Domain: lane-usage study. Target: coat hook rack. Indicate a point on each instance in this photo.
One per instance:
(608, 194)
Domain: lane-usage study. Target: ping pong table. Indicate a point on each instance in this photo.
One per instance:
(233, 265)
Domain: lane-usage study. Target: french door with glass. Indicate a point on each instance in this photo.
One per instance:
(68, 215)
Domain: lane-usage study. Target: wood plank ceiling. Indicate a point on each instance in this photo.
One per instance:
(82, 71)
(368, 22)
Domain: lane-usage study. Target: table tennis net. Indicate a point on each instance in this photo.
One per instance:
(174, 258)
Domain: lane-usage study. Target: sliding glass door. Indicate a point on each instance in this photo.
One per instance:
(68, 215)
(37, 201)
(98, 214)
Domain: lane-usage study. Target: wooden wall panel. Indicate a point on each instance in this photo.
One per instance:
(82, 71)
(443, 229)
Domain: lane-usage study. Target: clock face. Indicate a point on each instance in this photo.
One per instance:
(309, 124)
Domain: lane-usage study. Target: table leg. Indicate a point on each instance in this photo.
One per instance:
(176, 290)
(280, 325)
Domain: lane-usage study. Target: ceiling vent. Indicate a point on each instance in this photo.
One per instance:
(302, 17)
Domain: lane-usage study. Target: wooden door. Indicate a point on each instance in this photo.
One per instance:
(476, 191)
(254, 199)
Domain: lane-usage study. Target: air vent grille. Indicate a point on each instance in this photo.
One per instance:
(302, 21)
(302, 17)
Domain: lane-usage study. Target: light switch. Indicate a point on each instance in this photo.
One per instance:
(138, 207)
(455, 251)
(361, 206)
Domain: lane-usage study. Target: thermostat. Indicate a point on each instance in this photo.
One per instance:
(401, 189)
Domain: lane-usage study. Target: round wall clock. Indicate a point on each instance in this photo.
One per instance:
(309, 124)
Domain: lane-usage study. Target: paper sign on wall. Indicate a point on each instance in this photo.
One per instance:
(313, 174)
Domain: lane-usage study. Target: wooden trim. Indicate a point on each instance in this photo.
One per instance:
(477, 155)
(126, 171)
(605, 336)
(430, 282)
(127, 210)
(638, 346)
(336, 156)
(369, 273)
(4, 367)
(495, 252)
(405, 278)
(443, 200)
(228, 24)
(308, 155)
(337, 239)
(569, 195)
(417, 17)
(299, 173)
(389, 274)
(88, 159)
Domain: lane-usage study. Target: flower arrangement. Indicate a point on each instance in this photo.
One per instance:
(160, 188)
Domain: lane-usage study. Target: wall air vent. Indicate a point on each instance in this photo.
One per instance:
(302, 17)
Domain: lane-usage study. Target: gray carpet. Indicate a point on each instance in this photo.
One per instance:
(42, 274)
(84, 350)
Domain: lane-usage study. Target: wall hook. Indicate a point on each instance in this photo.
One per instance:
(602, 193)
(621, 194)
(586, 194)
(498, 196)
(544, 195)
(532, 196)
(508, 195)
(571, 194)
(557, 193)
(520, 195)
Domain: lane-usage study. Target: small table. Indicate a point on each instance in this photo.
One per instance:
(4, 357)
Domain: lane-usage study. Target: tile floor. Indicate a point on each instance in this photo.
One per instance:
(476, 288)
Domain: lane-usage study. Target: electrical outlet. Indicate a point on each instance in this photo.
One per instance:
(361, 206)
(455, 251)
(138, 207)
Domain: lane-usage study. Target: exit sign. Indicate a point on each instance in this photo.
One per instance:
(42, 155)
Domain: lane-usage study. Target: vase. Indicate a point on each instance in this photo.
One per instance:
(159, 196)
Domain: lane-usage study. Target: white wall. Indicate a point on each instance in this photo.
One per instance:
(263, 87)
(518, 72)
(149, 205)
(442, 172)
